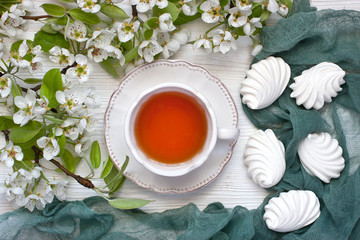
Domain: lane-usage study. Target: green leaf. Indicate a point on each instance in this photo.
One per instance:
(28, 165)
(182, 18)
(85, 17)
(32, 142)
(15, 89)
(56, 20)
(52, 82)
(107, 167)
(265, 15)
(151, 23)
(68, 161)
(132, 54)
(129, 203)
(48, 41)
(171, 8)
(256, 10)
(53, 9)
(32, 80)
(95, 154)
(114, 12)
(48, 29)
(54, 119)
(110, 66)
(15, 46)
(114, 180)
(223, 3)
(29, 154)
(127, 46)
(6, 122)
(148, 34)
(62, 143)
(25, 133)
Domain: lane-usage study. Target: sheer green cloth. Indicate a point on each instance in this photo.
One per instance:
(306, 38)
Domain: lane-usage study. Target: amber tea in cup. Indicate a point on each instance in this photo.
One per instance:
(171, 127)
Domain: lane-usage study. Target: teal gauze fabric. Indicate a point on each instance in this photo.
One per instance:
(306, 38)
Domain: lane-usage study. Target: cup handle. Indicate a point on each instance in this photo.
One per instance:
(228, 133)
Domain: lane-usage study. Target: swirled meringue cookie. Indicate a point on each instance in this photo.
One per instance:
(265, 158)
(317, 85)
(265, 82)
(321, 156)
(292, 210)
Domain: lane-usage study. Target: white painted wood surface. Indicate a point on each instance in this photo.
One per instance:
(233, 186)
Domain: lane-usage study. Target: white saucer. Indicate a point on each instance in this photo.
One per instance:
(152, 74)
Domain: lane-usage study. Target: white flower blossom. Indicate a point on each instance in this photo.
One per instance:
(182, 36)
(72, 99)
(273, 6)
(25, 105)
(237, 18)
(204, 42)
(92, 100)
(189, 7)
(256, 49)
(36, 50)
(11, 153)
(57, 188)
(161, 3)
(77, 31)
(69, 128)
(81, 71)
(33, 174)
(2, 141)
(283, 10)
(50, 147)
(5, 85)
(97, 54)
(143, 5)
(115, 53)
(42, 107)
(149, 49)
(11, 21)
(89, 5)
(169, 45)
(83, 143)
(166, 24)
(101, 39)
(88, 122)
(35, 65)
(61, 56)
(223, 41)
(33, 201)
(126, 30)
(17, 56)
(251, 25)
(211, 11)
(243, 6)
(26, 5)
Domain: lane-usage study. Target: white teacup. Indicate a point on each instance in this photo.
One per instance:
(213, 132)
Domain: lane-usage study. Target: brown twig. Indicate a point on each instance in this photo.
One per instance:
(134, 11)
(83, 181)
(34, 88)
(63, 71)
(35, 18)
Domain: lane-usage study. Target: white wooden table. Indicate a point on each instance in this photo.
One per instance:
(233, 186)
